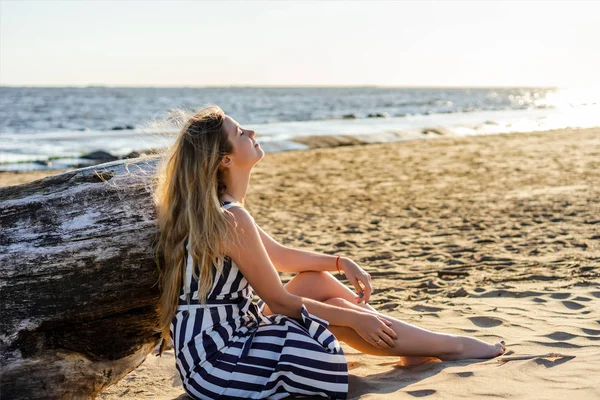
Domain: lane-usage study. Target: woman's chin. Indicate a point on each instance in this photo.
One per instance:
(260, 155)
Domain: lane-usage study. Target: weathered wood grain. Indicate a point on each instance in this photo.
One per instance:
(78, 280)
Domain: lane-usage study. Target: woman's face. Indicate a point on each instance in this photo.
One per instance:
(246, 150)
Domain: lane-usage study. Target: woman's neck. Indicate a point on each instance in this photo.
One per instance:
(237, 185)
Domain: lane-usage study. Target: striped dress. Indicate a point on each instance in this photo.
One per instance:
(228, 349)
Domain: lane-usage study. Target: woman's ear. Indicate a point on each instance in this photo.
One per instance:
(226, 162)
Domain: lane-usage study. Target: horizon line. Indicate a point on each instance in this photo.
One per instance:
(286, 86)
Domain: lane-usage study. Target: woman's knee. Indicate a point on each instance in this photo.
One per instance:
(313, 275)
(311, 284)
(311, 279)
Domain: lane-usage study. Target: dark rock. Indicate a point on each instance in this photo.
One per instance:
(47, 163)
(349, 116)
(100, 155)
(133, 154)
(378, 115)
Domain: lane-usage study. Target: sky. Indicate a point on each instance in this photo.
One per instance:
(308, 43)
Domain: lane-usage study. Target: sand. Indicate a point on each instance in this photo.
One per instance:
(16, 178)
(492, 236)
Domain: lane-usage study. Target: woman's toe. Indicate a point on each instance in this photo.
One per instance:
(502, 346)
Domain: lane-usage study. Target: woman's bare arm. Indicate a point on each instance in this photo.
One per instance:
(249, 253)
(287, 259)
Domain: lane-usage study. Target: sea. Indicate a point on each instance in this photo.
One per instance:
(49, 128)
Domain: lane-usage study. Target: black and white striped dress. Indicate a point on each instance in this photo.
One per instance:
(228, 349)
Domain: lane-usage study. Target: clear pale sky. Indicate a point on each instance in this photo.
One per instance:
(193, 43)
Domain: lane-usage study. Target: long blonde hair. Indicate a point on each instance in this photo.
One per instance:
(189, 184)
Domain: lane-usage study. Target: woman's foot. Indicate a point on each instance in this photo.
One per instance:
(474, 348)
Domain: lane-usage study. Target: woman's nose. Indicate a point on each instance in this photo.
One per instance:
(252, 133)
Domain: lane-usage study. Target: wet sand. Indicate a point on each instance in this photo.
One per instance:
(497, 237)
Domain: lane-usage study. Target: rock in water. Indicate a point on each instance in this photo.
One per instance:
(100, 155)
(78, 280)
(133, 154)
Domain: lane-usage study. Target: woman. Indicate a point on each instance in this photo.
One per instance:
(214, 255)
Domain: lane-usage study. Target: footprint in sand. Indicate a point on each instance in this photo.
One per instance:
(465, 374)
(388, 306)
(581, 298)
(561, 345)
(485, 322)
(560, 336)
(549, 363)
(426, 308)
(421, 393)
(573, 305)
(592, 332)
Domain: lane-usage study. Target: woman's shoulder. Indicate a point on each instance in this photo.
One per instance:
(241, 229)
(237, 212)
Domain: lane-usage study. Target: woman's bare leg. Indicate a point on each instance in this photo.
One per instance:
(412, 340)
(415, 341)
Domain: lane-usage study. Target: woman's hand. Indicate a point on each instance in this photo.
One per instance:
(375, 330)
(358, 277)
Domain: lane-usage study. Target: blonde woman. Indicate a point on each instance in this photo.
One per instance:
(214, 256)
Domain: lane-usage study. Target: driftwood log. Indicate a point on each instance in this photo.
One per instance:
(78, 280)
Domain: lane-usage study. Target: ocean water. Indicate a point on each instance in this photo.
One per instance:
(62, 124)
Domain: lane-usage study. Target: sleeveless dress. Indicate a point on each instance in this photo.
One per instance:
(227, 348)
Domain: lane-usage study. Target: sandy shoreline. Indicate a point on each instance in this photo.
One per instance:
(516, 215)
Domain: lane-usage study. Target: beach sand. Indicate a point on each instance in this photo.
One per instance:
(491, 236)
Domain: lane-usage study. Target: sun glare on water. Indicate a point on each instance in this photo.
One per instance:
(571, 97)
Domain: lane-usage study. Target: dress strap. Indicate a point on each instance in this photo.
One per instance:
(228, 205)
(187, 285)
